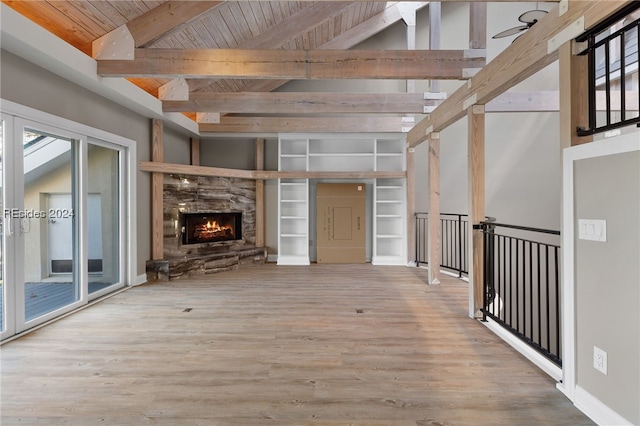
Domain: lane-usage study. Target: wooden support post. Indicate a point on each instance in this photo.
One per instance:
(408, 15)
(157, 181)
(477, 25)
(411, 45)
(574, 96)
(476, 166)
(195, 151)
(260, 238)
(435, 18)
(435, 237)
(411, 206)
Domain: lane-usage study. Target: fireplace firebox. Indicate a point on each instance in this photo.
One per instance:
(211, 227)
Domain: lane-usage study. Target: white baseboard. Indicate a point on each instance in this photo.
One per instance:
(293, 260)
(596, 410)
(141, 279)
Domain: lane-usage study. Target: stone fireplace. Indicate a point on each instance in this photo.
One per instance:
(209, 226)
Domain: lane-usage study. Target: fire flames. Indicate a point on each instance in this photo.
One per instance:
(211, 230)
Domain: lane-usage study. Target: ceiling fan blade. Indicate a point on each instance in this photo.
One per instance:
(532, 16)
(511, 31)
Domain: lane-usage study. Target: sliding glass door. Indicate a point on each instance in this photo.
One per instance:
(48, 222)
(3, 287)
(104, 213)
(62, 222)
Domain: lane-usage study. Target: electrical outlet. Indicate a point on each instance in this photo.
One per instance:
(600, 360)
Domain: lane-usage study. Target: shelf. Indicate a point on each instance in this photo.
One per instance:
(342, 153)
(345, 154)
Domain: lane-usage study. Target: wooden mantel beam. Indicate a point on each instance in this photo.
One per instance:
(301, 103)
(184, 169)
(533, 51)
(296, 64)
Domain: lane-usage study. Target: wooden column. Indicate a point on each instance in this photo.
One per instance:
(435, 18)
(574, 96)
(476, 174)
(157, 180)
(411, 206)
(260, 238)
(435, 237)
(476, 166)
(195, 151)
(477, 25)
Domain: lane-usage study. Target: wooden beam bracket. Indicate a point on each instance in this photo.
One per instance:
(116, 44)
(175, 90)
(208, 118)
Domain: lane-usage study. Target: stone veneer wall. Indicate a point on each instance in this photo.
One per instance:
(198, 194)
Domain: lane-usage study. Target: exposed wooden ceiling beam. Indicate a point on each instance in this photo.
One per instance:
(294, 26)
(347, 39)
(373, 103)
(301, 103)
(525, 57)
(295, 64)
(166, 18)
(305, 124)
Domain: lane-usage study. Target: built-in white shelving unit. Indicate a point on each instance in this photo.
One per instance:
(293, 247)
(389, 228)
(342, 153)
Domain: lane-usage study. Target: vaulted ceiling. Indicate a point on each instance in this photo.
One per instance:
(212, 59)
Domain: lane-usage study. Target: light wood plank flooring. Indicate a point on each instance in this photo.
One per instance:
(273, 345)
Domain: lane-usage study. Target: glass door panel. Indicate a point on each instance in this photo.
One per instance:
(3, 296)
(48, 224)
(103, 218)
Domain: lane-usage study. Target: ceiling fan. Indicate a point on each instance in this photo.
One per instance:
(528, 19)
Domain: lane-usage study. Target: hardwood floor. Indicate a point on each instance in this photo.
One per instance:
(275, 345)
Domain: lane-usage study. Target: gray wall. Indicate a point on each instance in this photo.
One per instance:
(29, 85)
(523, 173)
(232, 153)
(607, 276)
(176, 147)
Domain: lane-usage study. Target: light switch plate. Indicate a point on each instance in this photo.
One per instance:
(592, 230)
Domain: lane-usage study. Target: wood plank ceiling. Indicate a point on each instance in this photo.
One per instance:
(201, 25)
